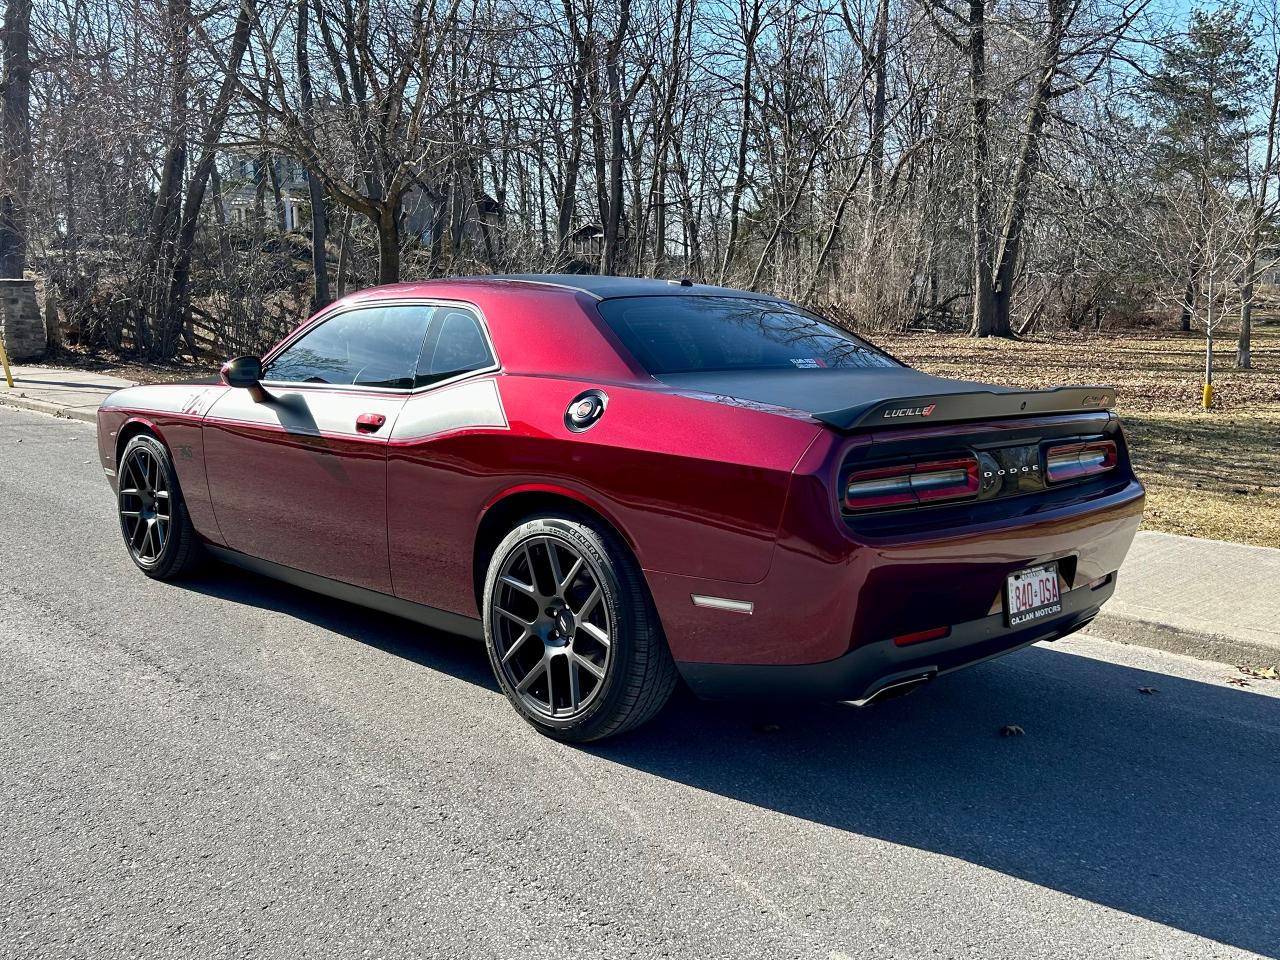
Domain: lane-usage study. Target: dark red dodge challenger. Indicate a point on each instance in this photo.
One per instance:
(617, 482)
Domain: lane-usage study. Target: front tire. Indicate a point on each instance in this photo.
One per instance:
(154, 521)
(571, 631)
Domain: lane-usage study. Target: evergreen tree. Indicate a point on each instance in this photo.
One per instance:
(1200, 100)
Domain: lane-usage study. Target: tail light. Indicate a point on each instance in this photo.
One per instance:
(1071, 461)
(910, 484)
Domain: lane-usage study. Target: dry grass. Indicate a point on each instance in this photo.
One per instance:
(1208, 474)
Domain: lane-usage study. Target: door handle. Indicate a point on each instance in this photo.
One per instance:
(370, 422)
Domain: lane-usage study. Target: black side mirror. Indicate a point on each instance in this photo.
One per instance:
(244, 372)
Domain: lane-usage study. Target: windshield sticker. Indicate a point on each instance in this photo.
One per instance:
(808, 363)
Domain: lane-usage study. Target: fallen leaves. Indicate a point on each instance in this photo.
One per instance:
(1261, 673)
(1249, 674)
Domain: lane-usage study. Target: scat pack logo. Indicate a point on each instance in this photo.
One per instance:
(910, 412)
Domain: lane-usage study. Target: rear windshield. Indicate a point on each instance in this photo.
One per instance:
(679, 334)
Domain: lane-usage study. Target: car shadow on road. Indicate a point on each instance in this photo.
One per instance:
(1127, 799)
(460, 657)
(1135, 801)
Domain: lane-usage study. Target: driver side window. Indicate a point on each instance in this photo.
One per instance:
(365, 347)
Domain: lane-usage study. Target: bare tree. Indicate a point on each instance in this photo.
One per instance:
(943, 163)
(15, 136)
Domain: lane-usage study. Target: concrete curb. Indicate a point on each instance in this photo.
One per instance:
(88, 414)
(1135, 632)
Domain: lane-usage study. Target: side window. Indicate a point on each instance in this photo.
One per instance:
(369, 347)
(456, 344)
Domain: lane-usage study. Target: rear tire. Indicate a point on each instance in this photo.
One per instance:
(154, 521)
(571, 631)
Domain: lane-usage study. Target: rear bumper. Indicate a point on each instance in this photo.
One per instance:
(827, 595)
(874, 668)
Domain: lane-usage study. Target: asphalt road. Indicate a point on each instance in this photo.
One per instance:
(234, 767)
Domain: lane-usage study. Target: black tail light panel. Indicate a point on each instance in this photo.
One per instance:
(1011, 459)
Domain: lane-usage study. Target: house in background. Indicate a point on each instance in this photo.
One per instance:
(240, 198)
(586, 247)
(421, 211)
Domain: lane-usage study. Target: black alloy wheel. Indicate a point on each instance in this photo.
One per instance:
(552, 630)
(153, 517)
(571, 630)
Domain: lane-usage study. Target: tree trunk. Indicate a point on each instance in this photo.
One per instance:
(878, 69)
(260, 200)
(979, 200)
(573, 163)
(1189, 299)
(157, 260)
(662, 145)
(277, 199)
(344, 251)
(600, 158)
(1244, 360)
(457, 214)
(1014, 219)
(613, 218)
(439, 221)
(174, 313)
(319, 218)
(693, 242)
(388, 224)
(220, 214)
(15, 135)
(750, 29)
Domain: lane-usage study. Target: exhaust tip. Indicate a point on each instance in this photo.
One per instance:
(893, 688)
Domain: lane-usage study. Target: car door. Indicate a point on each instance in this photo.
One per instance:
(437, 471)
(299, 477)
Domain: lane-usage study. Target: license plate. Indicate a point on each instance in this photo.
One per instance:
(1032, 594)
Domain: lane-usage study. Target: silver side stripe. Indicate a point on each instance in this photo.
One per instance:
(471, 403)
(164, 398)
(723, 603)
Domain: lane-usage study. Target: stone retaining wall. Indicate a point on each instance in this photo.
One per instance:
(21, 325)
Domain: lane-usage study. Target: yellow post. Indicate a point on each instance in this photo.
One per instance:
(4, 362)
(1208, 395)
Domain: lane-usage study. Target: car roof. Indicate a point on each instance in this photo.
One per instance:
(596, 286)
(604, 287)
(582, 345)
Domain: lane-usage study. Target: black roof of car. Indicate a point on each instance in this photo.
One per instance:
(608, 287)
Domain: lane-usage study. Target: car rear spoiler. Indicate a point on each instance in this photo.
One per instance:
(968, 405)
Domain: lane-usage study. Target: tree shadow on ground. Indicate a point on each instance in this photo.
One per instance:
(1127, 800)
(1124, 799)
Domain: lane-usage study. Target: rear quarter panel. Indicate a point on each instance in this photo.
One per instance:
(696, 487)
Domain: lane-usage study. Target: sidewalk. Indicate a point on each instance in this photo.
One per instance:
(1202, 598)
(62, 393)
